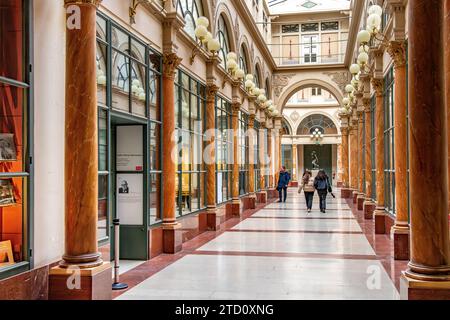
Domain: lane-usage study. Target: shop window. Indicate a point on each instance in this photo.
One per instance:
(128, 81)
(389, 160)
(243, 153)
(15, 139)
(224, 147)
(190, 105)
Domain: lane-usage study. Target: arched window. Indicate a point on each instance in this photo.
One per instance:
(224, 39)
(243, 62)
(317, 121)
(190, 10)
(123, 73)
(257, 79)
(268, 93)
(286, 128)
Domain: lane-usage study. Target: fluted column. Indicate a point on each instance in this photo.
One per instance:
(81, 166)
(379, 146)
(428, 274)
(210, 125)
(400, 231)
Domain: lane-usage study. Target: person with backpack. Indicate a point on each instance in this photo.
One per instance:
(307, 185)
(283, 183)
(323, 186)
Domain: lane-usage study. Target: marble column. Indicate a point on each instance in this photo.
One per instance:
(172, 241)
(262, 194)
(252, 161)
(236, 202)
(428, 274)
(344, 161)
(400, 231)
(81, 168)
(361, 196)
(369, 205)
(379, 213)
(447, 74)
(353, 155)
(270, 154)
(210, 124)
(295, 172)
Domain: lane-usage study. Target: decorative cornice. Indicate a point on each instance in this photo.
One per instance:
(170, 64)
(95, 3)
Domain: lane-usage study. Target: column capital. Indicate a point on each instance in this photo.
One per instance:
(397, 50)
(251, 120)
(235, 107)
(367, 104)
(95, 3)
(345, 130)
(377, 85)
(211, 92)
(170, 64)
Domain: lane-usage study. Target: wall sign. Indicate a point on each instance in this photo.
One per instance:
(130, 151)
(130, 199)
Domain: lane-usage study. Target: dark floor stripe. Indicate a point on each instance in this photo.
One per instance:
(303, 218)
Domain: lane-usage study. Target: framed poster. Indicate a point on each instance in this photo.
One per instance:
(6, 193)
(130, 199)
(7, 147)
(130, 149)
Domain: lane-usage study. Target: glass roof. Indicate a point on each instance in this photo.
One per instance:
(304, 6)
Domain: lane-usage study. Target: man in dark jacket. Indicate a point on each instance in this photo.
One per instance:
(283, 182)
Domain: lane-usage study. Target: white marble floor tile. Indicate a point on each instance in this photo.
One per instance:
(261, 278)
(324, 243)
(293, 213)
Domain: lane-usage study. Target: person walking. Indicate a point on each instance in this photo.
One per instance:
(283, 183)
(307, 185)
(323, 186)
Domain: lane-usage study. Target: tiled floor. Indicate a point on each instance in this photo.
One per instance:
(280, 252)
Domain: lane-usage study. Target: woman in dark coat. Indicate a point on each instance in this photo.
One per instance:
(323, 186)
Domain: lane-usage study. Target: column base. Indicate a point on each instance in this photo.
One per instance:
(273, 194)
(360, 201)
(369, 208)
(80, 284)
(380, 223)
(233, 209)
(412, 289)
(401, 243)
(252, 201)
(212, 221)
(355, 196)
(261, 197)
(340, 184)
(346, 193)
(293, 184)
(172, 238)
